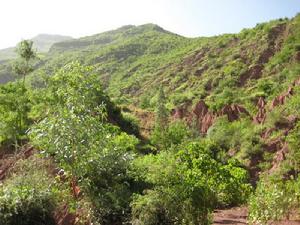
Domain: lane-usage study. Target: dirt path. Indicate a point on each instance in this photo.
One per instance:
(233, 216)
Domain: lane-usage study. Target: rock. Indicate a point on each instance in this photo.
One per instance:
(233, 111)
(279, 157)
(261, 115)
(273, 145)
(266, 133)
(297, 56)
(206, 122)
(199, 71)
(253, 72)
(201, 109)
(177, 113)
(63, 217)
(296, 82)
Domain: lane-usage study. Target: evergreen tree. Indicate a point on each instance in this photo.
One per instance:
(161, 122)
(161, 110)
(26, 54)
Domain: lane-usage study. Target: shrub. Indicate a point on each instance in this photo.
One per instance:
(273, 200)
(30, 195)
(188, 186)
(14, 108)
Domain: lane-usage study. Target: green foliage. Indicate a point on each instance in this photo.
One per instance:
(186, 179)
(158, 136)
(14, 109)
(26, 54)
(241, 135)
(75, 132)
(273, 200)
(174, 134)
(30, 196)
(187, 187)
(293, 158)
(226, 96)
(177, 132)
(161, 110)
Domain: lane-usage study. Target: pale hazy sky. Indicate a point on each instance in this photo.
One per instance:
(22, 19)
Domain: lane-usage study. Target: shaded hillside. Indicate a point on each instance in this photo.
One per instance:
(42, 43)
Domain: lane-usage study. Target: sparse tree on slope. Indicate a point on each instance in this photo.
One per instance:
(26, 54)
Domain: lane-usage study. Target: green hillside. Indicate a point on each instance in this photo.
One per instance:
(132, 60)
(42, 44)
(143, 126)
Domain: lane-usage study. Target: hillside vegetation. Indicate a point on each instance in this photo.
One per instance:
(42, 44)
(142, 126)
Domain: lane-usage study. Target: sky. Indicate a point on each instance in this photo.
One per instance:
(22, 19)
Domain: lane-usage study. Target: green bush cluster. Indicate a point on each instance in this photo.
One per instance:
(30, 195)
(274, 200)
(188, 186)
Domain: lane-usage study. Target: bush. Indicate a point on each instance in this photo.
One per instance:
(273, 200)
(240, 135)
(30, 196)
(185, 187)
(174, 134)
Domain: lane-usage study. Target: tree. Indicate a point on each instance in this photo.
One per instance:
(14, 109)
(161, 110)
(76, 132)
(161, 121)
(26, 54)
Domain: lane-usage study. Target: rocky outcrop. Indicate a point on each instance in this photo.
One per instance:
(207, 122)
(201, 70)
(275, 40)
(279, 157)
(254, 72)
(204, 117)
(64, 217)
(260, 117)
(233, 111)
(200, 109)
(297, 56)
(273, 145)
(178, 113)
(280, 100)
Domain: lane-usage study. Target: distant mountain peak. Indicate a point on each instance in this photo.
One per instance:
(42, 43)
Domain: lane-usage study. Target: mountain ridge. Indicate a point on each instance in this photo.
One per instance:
(41, 42)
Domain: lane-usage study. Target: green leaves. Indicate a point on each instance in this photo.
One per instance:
(273, 201)
(14, 109)
(186, 185)
(76, 133)
(26, 54)
(30, 195)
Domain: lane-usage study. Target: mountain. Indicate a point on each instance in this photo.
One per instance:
(216, 121)
(133, 60)
(42, 44)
